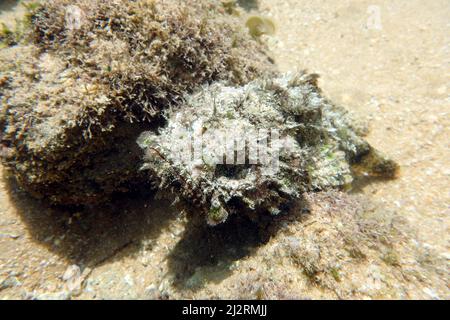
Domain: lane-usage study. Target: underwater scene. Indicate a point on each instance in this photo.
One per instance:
(224, 150)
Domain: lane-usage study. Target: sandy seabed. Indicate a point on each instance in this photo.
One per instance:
(394, 74)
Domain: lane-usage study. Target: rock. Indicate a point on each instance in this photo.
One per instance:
(74, 100)
(10, 282)
(152, 292)
(128, 279)
(431, 293)
(74, 278)
(62, 295)
(10, 236)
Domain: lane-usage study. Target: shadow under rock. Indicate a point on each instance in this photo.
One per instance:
(248, 5)
(89, 237)
(8, 4)
(207, 254)
(361, 182)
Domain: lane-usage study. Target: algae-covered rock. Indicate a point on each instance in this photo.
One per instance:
(84, 78)
(255, 149)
